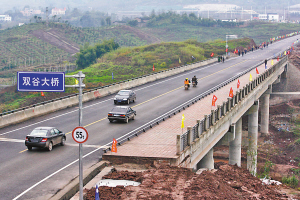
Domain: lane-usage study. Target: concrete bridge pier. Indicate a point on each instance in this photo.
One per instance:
(235, 148)
(284, 74)
(207, 161)
(252, 138)
(264, 112)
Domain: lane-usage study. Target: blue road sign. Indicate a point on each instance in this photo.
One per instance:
(41, 81)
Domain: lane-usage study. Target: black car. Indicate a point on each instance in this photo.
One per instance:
(121, 113)
(125, 96)
(45, 137)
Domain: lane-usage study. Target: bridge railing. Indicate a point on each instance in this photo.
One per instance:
(221, 111)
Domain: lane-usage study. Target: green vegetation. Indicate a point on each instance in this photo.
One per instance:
(291, 181)
(296, 170)
(266, 170)
(88, 54)
(129, 62)
(18, 47)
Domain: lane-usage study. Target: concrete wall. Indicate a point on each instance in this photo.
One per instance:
(16, 117)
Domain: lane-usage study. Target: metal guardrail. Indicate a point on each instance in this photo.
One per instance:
(204, 125)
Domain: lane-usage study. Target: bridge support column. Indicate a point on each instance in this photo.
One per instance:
(235, 148)
(252, 138)
(264, 114)
(207, 161)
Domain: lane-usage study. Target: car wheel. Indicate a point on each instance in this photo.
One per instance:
(29, 148)
(50, 146)
(133, 117)
(63, 141)
(133, 100)
(126, 120)
(110, 120)
(128, 101)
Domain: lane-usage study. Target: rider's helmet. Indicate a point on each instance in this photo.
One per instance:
(187, 79)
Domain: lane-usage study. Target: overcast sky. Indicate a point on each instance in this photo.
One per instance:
(117, 5)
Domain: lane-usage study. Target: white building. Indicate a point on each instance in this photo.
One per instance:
(273, 17)
(263, 16)
(58, 11)
(5, 18)
(28, 12)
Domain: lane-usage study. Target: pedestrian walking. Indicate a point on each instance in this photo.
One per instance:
(223, 59)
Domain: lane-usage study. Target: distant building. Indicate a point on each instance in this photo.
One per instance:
(269, 17)
(58, 11)
(5, 18)
(21, 24)
(29, 12)
(263, 17)
(273, 17)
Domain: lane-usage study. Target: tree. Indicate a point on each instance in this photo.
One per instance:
(133, 23)
(54, 16)
(108, 21)
(35, 17)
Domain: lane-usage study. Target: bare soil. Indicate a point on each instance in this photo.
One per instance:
(166, 182)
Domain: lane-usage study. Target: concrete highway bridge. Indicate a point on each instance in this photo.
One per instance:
(156, 134)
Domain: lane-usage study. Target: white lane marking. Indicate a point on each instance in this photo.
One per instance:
(67, 144)
(11, 140)
(99, 102)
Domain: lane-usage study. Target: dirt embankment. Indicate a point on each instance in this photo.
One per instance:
(165, 182)
(53, 37)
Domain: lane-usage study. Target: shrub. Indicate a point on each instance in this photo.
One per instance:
(291, 181)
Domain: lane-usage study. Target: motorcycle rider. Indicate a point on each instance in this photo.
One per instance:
(194, 79)
(186, 81)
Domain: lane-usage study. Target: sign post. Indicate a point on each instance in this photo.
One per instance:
(80, 76)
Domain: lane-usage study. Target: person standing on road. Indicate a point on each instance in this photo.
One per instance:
(266, 61)
(223, 58)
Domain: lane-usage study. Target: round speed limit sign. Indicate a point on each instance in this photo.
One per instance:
(80, 134)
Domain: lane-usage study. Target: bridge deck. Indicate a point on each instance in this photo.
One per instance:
(159, 143)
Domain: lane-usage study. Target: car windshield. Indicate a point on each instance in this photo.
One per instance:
(118, 109)
(39, 132)
(123, 93)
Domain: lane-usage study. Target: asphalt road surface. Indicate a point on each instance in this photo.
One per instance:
(38, 174)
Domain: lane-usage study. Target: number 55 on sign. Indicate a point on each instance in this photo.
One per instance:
(80, 134)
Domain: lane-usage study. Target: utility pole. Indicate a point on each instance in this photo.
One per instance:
(47, 17)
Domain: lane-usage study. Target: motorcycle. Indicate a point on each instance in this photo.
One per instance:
(194, 84)
(186, 86)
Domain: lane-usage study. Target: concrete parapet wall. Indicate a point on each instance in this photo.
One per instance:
(19, 116)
